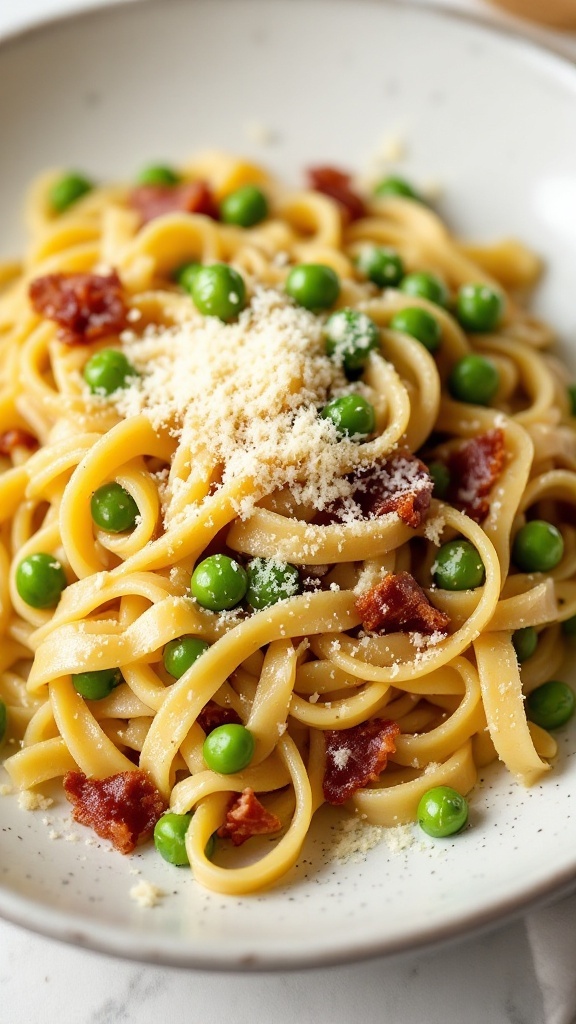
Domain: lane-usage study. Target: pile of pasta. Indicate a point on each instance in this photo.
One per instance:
(307, 667)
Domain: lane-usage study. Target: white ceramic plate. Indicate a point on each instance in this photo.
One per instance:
(490, 118)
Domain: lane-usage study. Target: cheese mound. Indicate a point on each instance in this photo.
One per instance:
(244, 398)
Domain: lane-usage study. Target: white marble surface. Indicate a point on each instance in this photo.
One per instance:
(490, 980)
(483, 982)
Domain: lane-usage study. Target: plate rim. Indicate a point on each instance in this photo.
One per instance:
(77, 929)
(525, 36)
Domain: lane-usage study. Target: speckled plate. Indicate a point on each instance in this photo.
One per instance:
(292, 83)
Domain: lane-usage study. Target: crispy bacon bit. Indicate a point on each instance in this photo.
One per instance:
(336, 184)
(357, 756)
(190, 197)
(399, 605)
(212, 715)
(247, 817)
(474, 469)
(400, 484)
(16, 438)
(85, 306)
(123, 808)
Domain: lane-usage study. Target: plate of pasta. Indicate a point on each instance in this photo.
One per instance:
(288, 453)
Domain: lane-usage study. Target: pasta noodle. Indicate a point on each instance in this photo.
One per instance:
(220, 435)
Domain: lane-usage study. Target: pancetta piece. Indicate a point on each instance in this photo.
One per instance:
(86, 307)
(153, 201)
(356, 756)
(15, 437)
(474, 469)
(247, 817)
(336, 184)
(400, 484)
(123, 808)
(399, 605)
(212, 715)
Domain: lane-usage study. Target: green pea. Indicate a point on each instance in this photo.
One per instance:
(158, 174)
(219, 290)
(474, 379)
(441, 478)
(352, 416)
(572, 399)
(185, 275)
(442, 811)
(40, 580)
(179, 655)
(246, 206)
(97, 685)
(425, 286)
(219, 583)
(113, 509)
(479, 307)
(458, 566)
(350, 338)
(3, 721)
(381, 265)
(569, 627)
(551, 705)
(419, 324)
(170, 837)
(108, 371)
(538, 547)
(270, 581)
(393, 185)
(525, 642)
(313, 285)
(67, 190)
(228, 749)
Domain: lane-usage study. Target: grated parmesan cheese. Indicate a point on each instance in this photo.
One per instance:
(30, 801)
(245, 396)
(434, 529)
(399, 838)
(341, 757)
(145, 894)
(355, 839)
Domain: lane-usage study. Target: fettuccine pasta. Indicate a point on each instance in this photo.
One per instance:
(287, 509)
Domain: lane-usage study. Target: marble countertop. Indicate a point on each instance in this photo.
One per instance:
(486, 980)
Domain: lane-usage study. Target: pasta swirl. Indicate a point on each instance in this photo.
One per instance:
(291, 468)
